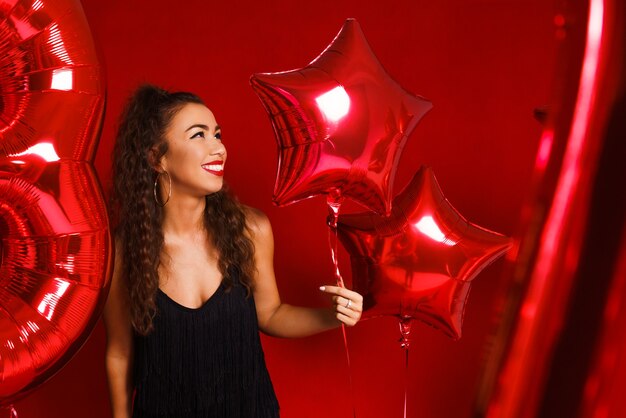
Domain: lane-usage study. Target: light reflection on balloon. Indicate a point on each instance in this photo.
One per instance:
(334, 104)
(50, 300)
(45, 150)
(427, 226)
(62, 80)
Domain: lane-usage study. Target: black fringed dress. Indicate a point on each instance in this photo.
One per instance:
(204, 362)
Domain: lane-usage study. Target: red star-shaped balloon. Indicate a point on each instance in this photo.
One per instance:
(340, 123)
(420, 261)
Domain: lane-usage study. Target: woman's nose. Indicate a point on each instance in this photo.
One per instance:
(218, 148)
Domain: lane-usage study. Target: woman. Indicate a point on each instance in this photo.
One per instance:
(194, 278)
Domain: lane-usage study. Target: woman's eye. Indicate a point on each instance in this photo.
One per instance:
(218, 136)
(199, 134)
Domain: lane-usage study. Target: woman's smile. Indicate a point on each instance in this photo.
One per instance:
(214, 167)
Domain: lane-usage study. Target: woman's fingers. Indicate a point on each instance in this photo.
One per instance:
(346, 319)
(352, 315)
(343, 292)
(348, 304)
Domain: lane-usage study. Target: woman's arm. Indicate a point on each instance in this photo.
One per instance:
(119, 348)
(283, 320)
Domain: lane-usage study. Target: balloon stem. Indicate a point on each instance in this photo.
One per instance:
(406, 377)
(405, 332)
(11, 410)
(334, 201)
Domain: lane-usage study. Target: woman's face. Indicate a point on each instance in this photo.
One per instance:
(195, 157)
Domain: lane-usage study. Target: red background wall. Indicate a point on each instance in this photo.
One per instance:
(484, 64)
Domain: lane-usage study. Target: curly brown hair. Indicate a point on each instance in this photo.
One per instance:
(137, 218)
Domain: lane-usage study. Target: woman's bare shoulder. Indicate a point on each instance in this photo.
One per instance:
(257, 222)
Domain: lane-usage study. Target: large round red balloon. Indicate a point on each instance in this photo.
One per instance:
(341, 123)
(419, 262)
(55, 249)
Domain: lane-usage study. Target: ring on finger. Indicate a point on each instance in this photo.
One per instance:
(348, 304)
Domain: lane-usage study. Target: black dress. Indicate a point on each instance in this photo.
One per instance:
(205, 362)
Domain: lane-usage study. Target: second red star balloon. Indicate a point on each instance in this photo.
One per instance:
(419, 262)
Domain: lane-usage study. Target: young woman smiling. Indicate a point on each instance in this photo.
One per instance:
(194, 279)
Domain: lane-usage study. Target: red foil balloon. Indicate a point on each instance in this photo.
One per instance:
(55, 249)
(418, 262)
(562, 350)
(340, 123)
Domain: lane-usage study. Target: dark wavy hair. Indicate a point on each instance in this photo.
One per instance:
(137, 218)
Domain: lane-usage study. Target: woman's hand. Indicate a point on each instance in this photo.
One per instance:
(348, 304)
(283, 320)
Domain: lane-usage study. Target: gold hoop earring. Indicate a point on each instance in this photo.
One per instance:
(156, 186)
